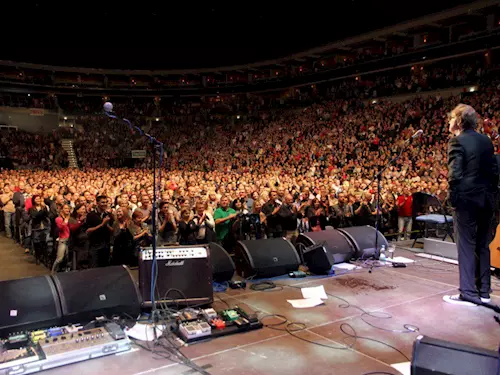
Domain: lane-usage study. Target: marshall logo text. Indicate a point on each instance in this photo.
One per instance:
(172, 263)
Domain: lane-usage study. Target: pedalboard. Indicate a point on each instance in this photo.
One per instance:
(196, 325)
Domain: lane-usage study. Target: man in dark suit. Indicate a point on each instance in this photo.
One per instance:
(473, 181)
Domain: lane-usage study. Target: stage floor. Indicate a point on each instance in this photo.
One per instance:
(412, 295)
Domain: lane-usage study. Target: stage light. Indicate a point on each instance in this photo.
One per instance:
(374, 102)
(65, 118)
(157, 119)
(29, 94)
(472, 89)
(238, 117)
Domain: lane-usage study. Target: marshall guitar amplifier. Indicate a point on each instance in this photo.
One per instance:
(184, 275)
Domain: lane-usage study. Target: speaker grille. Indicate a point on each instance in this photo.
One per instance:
(265, 258)
(95, 292)
(27, 304)
(364, 238)
(437, 357)
(185, 281)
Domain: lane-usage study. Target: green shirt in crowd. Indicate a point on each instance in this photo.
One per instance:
(222, 229)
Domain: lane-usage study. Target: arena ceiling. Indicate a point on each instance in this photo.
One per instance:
(162, 36)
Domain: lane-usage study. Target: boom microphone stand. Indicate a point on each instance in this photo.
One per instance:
(157, 147)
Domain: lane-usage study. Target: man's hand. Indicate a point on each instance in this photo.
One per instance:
(275, 211)
(106, 220)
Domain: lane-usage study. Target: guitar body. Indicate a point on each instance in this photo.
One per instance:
(495, 250)
(495, 244)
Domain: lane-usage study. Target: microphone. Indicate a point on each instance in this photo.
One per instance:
(108, 107)
(417, 134)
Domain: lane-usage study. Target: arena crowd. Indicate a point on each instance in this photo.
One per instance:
(288, 172)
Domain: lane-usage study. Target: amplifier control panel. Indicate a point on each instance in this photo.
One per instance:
(194, 252)
(75, 341)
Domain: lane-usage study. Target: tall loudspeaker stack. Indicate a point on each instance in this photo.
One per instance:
(265, 258)
(88, 294)
(437, 357)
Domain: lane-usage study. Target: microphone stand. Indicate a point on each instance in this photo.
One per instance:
(379, 178)
(156, 146)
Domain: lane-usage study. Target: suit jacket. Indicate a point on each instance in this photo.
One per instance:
(472, 170)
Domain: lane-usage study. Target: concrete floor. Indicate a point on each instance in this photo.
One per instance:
(412, 295)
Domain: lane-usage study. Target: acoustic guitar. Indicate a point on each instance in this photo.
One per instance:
(495, 252)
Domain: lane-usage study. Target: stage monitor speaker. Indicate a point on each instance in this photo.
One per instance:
(336, 248)
(265, 258)
(95, 292)
(222, 264)
(28, 304)
(437, 357)
(363, 240)
(184, 275)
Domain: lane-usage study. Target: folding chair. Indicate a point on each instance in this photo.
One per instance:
(435, 214)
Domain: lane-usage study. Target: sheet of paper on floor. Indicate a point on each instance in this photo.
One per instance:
(317, 292)
(305, 303)
(144, 332)
(404, 367)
